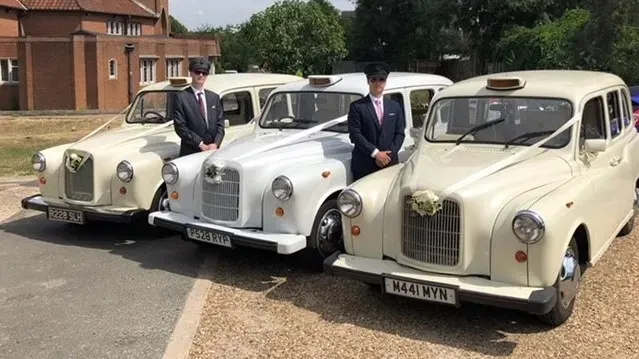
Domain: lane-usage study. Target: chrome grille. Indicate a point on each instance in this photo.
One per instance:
(78, 186)
(222, 201)
(432, 240)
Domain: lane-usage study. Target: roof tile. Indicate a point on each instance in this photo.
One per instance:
(117, 7)
(14, 4)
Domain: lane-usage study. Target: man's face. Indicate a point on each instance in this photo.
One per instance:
(376, 85)
(198, 77)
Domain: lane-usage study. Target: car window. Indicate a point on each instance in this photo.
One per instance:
(419, 101)
(625, 111)
(238, 107)
(593, 120)
(263, 95)
(614, 115)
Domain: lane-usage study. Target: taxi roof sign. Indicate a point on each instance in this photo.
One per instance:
(322, 80)
(505, 83)
(179, 81)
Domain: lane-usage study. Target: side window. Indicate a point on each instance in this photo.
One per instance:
(419, 101)
(238, 107)
(263, 95)
(614, 116)
(593, 120)
(396, 96)
(625, 108)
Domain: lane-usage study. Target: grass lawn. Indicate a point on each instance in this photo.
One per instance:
(21, 137)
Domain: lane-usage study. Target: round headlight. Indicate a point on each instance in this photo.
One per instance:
(528, 227)
(124, 171)
(170, 173)
(38, 162)
(349, 203)
(282, 188)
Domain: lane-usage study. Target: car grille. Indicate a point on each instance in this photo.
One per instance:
(78, 186)
(221, 202)
(432, 240)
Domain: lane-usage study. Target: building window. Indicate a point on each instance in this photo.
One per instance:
(113, 69)
(9, 71)
(115, 27)
(147, 71)
(173, 67)
(133, 29)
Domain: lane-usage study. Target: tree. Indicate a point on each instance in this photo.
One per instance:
(293, 35)
(176, 26)
(237, 53)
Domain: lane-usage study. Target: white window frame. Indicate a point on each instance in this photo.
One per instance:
(115, 27)
(148, 70)
(12, 67)
(173, 67)
(113, 74)
(134, 29)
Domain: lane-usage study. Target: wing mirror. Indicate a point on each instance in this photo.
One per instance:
(415, 132)
(595, 145)
(227, 123)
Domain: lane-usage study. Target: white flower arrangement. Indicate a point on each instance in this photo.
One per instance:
(213, 173)
(73, 162)
(425, 203)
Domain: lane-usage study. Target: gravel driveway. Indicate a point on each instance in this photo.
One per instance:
(261, 305)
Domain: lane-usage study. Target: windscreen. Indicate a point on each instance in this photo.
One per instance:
(516, 121)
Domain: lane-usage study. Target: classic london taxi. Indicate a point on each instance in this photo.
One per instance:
(520, 181)
(114, 175)
(276, 189)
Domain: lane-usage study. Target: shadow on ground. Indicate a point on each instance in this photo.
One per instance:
(151, 248)
(476, 328)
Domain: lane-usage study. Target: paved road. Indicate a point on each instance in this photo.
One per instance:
(102, 291)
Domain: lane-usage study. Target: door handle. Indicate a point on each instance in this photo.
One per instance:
(615, 161)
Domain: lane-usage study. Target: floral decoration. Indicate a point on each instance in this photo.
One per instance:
(73, 162)
(425, 203)
(213, 173)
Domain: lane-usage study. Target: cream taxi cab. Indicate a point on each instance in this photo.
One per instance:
(114, 175)
(276, 189)
(526, 185)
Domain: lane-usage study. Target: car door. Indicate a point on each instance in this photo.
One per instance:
(239, 112)
(601, 169)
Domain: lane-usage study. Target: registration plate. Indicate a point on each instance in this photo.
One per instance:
(209, 236)
(66, 215)
(422, 291)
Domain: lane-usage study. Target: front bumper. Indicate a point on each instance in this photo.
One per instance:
(81, 214)
(438, 288)
(197, 230)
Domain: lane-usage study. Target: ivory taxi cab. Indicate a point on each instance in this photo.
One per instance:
(519, 183)
(276, 189)
(114, 175)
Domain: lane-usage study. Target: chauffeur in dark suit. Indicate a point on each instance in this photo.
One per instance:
(376, 126)
(198, 115)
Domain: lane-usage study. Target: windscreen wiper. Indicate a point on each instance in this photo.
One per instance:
(477, 128)
(528, 135)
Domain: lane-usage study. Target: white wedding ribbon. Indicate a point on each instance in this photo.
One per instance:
(498, 166)
(292, 138)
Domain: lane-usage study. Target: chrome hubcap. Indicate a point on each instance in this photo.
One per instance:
(329, 233)
(569, 278)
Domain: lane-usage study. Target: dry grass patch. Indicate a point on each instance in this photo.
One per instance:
(20, 137)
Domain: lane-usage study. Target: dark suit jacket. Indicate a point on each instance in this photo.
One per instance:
(189, 123)
(367, 135)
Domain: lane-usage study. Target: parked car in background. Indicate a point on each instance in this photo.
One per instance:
(115, 175)
(508, 211)
(634, 98)
(276, 189)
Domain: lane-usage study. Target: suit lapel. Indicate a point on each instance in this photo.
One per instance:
(371, 110)
(194, 102)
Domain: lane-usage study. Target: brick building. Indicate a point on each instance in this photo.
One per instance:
(88, 54)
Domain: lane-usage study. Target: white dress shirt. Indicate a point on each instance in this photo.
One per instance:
(381, 103)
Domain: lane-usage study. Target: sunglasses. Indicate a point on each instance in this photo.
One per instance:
(378, 79)
(197, 72)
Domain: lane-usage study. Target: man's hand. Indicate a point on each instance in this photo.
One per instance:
(212, 146)
(382, 158)
(203, 147)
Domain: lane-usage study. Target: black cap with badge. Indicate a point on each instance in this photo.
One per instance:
(377, 70)
(200, 64)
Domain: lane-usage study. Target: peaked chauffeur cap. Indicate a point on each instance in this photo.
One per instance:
(377, 69)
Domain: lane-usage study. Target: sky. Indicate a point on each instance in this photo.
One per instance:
(193, 13)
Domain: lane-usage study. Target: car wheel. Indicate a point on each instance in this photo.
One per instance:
(157, 205)
(567, 286)
(326, 237)
(629, 226)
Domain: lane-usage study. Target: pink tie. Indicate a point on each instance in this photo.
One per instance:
(380, 112)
